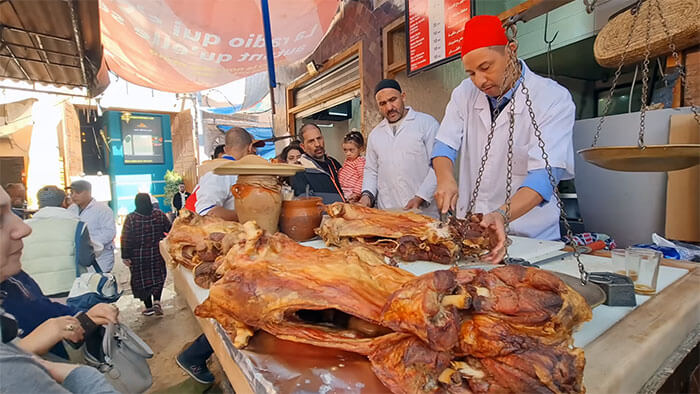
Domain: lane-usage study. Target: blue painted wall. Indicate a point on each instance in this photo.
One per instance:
(128, 179)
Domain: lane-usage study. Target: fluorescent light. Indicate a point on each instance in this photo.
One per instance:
(324, 125)
(337, 113)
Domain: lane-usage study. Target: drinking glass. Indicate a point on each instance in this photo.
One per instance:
(647, 264)
(618, 261)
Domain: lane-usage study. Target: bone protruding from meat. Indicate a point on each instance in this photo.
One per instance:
(467, 370)
(460, 301)
(483, 292)
(450, 377)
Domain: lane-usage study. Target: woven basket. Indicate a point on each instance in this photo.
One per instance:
(683, 21)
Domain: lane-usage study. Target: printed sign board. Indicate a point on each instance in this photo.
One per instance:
(434, 32)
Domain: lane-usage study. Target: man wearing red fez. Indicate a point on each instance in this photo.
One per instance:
(485, 97)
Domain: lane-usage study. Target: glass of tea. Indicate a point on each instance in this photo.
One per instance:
(618, 257)
(643, 268)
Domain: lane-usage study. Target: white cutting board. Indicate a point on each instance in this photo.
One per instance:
(533, 250)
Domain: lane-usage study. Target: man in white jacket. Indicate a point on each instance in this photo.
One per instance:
(485, 98)
(58, 244)
(397, 171)
(99, 219)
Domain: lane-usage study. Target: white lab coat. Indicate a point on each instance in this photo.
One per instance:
(99, 219)
(397, 167)
(466, 126)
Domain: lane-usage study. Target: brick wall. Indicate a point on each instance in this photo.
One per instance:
(360, 22)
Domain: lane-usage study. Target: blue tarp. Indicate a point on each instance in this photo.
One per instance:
(258, 133)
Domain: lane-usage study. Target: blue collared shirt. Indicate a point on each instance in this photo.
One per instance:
(494, 102)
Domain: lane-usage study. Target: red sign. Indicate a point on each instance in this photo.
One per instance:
(434, 31)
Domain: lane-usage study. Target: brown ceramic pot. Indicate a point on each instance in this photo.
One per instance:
(301, 217)
(258, 198)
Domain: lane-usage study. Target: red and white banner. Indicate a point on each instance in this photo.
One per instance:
(191, 45)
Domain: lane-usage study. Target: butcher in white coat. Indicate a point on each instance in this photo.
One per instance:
(466, 125)
(397, 170)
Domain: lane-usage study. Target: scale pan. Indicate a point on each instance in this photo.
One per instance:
(654, 158)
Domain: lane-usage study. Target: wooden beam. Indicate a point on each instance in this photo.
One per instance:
(394, 69)
(293, 109)
(350, 86)
(531, 9)
(388, 56)
(677, 86)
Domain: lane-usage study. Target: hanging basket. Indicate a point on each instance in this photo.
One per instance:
(683, 21)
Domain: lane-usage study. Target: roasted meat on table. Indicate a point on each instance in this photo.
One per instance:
(506, 330)
(195, 239)
(328, 298)
(405, 235)
(445, 309)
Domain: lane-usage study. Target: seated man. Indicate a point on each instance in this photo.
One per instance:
(320, 178)
(59, 243)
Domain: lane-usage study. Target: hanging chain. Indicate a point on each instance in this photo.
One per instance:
(618, 72)
(489, 139)
(645, 81)
(515, 72)
(562, 212)
(509, 166)
(484, 158)
(685, 83)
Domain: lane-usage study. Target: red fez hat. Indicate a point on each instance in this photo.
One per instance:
(483, 31)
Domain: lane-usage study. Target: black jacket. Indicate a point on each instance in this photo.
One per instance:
(321, 177)
(178, 203)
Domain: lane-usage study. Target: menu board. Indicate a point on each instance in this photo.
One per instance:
(434, 31)
(142, 139)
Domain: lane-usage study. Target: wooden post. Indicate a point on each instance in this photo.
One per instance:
(677, 87)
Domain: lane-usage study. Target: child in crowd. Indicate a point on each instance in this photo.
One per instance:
(352, 172)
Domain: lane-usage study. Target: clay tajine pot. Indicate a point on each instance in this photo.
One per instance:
(258, 198)
(301, 217)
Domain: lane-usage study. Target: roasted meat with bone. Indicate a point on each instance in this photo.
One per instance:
(328, 298)
(529, 301)
(405, 235)
(544, 369)
(533, 301)
(195, 239)
(406, 365)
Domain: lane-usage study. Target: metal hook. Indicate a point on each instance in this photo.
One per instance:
(546, 26)
(550, 66)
